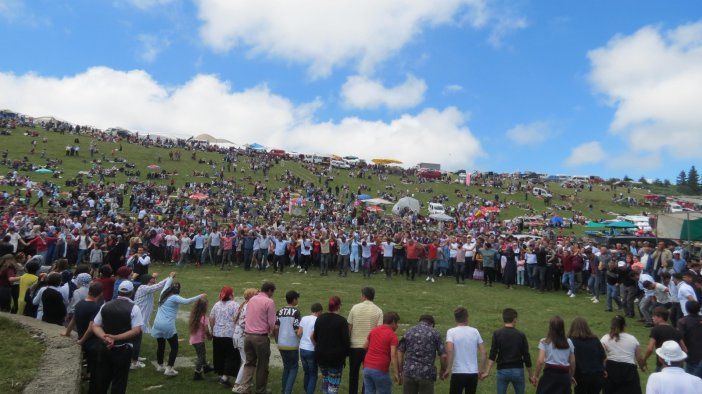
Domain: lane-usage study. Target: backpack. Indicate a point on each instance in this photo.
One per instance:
(29, 308)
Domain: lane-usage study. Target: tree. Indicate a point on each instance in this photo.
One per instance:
(658, 182)
(693, 180)
(643, 180)
(666, 183)
(627, 179)
(682, 179)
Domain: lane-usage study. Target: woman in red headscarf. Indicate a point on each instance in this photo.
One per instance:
(225, 356)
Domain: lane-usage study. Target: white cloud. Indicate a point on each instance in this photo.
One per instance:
(365, 93)
(504, 26)
(104, 97)
(151, 46)
(653, 79)
(146, 4)
(587, 153)
(448, 89)
(325, 34)
(531, 133)
(9, 9)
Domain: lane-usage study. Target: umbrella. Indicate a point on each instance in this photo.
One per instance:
(386, 161)
(377, 201)
(199, 196)
(406, 202)
(441, 217)
(363, 197)
(44, 171)
(374, 208)
(153, 166)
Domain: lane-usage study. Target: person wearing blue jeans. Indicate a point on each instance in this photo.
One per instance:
(510, 351)
(307, 347)
(376, 382)
(381, 352)
(286, 329)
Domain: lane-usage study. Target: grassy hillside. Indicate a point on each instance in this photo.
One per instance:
(18, 146)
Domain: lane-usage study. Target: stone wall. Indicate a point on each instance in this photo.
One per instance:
(60, 366)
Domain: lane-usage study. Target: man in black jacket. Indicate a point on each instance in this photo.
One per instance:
(510, 350)
(117, 322)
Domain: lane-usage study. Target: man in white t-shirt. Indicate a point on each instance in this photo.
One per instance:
(309, 364)
(463, 344)
(686, 292)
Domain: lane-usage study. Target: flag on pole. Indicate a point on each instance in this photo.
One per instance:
(467, 179)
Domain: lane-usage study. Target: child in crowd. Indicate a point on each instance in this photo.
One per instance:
(521, 267)
(199, 331)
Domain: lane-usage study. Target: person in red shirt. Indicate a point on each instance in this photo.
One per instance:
(432, 260)
(381, 351)
(412, 253)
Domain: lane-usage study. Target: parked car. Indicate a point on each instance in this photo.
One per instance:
(537, 191)
(435, 207)
(340, 164)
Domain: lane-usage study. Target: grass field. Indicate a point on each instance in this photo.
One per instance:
(410, 299)
(20, 355)
(19, 146)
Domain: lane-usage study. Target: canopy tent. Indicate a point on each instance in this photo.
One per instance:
(374, 208)
(406, 202)
(686, 226)
(441, 217)
(595, 226)
(363, 197)
(153, 167)
(620, 224)
(256, 147)
(44, 171)
(377, 201)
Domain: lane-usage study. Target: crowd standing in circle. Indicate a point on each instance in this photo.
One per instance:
(90, 257)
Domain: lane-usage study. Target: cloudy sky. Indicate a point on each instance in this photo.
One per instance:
(564, 87)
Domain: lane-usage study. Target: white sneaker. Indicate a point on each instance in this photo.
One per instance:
(593, 298)
(432, 280)
(300, 270)
(428, 279)
(305, 272)
(570, 292)
(141, 359)
(170, 371)
(160, 368)
(595, 301)
(572, 296)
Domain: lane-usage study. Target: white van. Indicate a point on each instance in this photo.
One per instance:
(340, 164)
(675, 207)
(435, 207)
(537, 191)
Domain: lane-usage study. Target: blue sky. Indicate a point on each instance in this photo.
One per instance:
(598, 87)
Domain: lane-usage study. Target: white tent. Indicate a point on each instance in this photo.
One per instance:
(406, 202)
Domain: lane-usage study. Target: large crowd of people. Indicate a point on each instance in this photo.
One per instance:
(84, 261)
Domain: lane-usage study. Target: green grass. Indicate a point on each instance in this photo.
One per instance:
(20, 355)
(19, 146)
(409, 299)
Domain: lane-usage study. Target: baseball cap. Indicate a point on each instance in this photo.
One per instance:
(125, 287)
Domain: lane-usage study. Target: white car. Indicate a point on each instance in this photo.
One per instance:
(435, 207)
(340, 164)
(537, 191)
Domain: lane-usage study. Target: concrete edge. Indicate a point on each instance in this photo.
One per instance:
(59, 369)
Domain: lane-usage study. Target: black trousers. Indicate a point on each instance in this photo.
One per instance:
(356, 357)
(225, 356)
(113, 370)
(161, 349)
(589, 383)
(137, 346)
(463, 383)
